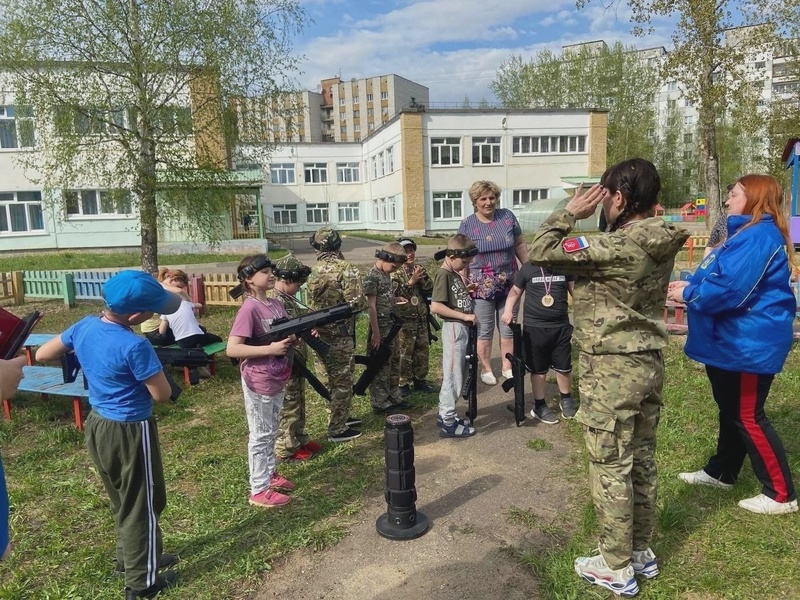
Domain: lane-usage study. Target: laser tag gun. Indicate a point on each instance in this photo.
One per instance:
(470, 390)
(433, 324)
(313, 380)
(301, 326)
(377, 359)
(182, 357)
(70, 368)
(14, 331)
(517, 381)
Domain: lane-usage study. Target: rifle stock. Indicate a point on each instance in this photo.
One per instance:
(470, 390)
(517, 381)
(313, 381)
(378, 359)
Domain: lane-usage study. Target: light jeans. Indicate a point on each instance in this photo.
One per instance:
(263, 418)
(454, 368)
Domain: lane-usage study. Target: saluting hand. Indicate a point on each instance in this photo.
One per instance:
(582, 204)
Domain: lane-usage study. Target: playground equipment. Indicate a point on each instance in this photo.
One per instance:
(791, 161)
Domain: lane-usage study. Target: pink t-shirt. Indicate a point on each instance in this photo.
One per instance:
(265, 375)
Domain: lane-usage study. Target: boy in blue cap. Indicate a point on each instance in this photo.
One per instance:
(124, 378)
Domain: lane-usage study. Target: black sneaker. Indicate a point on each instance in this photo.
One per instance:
(423, 386)
(163, 582)
(345, 436)
(166, 561)
(545, 415)
(568, 408)
(352, 422)
(405, 391)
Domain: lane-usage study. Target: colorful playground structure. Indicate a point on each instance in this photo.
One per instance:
(791, 161)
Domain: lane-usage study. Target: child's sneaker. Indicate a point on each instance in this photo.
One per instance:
(644, 563)
(440, 422)
(595, 570)
(312, 446)
(345, 436)
(298, 455)
(269, 498)
(279, 482)
(568, 408)
(458, 429)
(353, 422)
(545, 414)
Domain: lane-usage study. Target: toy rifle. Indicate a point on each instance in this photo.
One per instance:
(517, 381)
(470, 390)
(312, 380)
(14, 331)
(301, 326)
(182, 357)
(433, 324)
(376, 360)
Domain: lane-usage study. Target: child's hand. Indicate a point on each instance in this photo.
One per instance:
(472, 287)
(375, 340)
(471, 319)
(279, 348)
(507, 318)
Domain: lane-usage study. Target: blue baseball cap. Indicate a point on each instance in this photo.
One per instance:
(130, 292)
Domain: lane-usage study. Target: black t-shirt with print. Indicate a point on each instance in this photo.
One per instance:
(535, 280)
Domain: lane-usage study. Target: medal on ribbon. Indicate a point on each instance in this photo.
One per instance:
(547, 299)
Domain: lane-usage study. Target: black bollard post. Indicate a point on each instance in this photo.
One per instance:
(401, 521)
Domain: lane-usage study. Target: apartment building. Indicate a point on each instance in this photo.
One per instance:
(412, 174)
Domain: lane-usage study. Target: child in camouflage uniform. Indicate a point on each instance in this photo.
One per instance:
(619, 295)
(334, 281)
(412, 284)
(384, 391)
(293, 443)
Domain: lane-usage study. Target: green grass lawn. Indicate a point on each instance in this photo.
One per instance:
(63, 533)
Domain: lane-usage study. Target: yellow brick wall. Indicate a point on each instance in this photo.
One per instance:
(598, 142)
(211, 149)
(413, 171)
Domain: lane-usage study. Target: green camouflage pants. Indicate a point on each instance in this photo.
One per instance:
(384, 391)
(413, 351)
(336, 373)
(620, 406)
(292, 429)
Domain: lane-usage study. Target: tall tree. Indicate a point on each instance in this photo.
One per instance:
(612, 77)
(710, 57)
(135, 95)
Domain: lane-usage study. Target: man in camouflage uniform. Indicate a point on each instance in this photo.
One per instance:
(293, 442)
(384, 390)
(413, 286)
(619, 295)
(335, 281)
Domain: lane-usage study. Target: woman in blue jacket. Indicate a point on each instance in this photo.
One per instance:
(741, 309)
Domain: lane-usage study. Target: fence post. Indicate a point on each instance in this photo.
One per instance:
(18, 287)
(68, 289)
(197, 285)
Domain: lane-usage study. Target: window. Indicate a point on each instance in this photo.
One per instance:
(688, 120)
(687, 155)
(391, 209)
(355, 100)
(486, 151)
(521, 197)
(672, 86)
(385, 111)
(389, 161)
(347, 172)
(356, 113)
(316, 172)
(343, 116)
(21, 212)
(369, 97)
(378, 207)
(317, 213)
(370, 112)
(370, 126)
(447, 205)
(561, 144)
(672, 104)
(341, 101)
(760, 64)
(384, 95)
(285, 214)
(344, 128)
(446, 151)
(16, 127)
(83, 203)
(281, 173)
(688, 103)
(349, 212)
(373, 161)
(381, 165)
(357, 127)
(687, 138)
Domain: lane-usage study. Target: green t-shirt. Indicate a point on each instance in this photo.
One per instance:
(449, 289)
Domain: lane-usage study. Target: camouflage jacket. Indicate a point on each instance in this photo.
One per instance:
(379, 284)
(621, 284)
(334, 281)
(412, 309)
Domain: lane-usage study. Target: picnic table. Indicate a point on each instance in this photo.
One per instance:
(50, 380)
(35, 340)
(677, 323)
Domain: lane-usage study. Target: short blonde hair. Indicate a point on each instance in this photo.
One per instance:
(460, 242)
(480, 188)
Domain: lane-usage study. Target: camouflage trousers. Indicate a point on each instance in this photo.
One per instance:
(336, 373)
(384, 391)
(620, 407)
(413, 351)
(292, 429)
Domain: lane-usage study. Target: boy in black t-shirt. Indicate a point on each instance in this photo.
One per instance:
(451, 301)
(547, 335)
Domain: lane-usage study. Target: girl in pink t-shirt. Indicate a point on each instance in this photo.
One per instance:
(265, 371)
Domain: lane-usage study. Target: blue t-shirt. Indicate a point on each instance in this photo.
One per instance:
(3, 510)
(116, 363)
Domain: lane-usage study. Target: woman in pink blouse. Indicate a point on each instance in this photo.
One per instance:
(498, 236)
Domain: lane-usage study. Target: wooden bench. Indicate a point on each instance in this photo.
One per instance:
(695, 241)
(675, 322)
(50, 380)
(211, 350)
(34, 340)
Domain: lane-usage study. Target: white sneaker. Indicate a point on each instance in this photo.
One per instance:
(702, 478)
(765, 505)
(644, 563)
(508, 374)
(595, 570)
(488, 378)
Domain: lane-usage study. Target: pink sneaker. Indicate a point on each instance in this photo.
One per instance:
(279, 482)
(269, 499)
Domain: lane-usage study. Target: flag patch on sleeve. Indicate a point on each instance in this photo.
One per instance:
(571, 245)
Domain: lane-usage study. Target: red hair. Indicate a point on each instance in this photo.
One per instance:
(765, 196)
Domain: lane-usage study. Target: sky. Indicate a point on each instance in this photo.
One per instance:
(454, 47)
